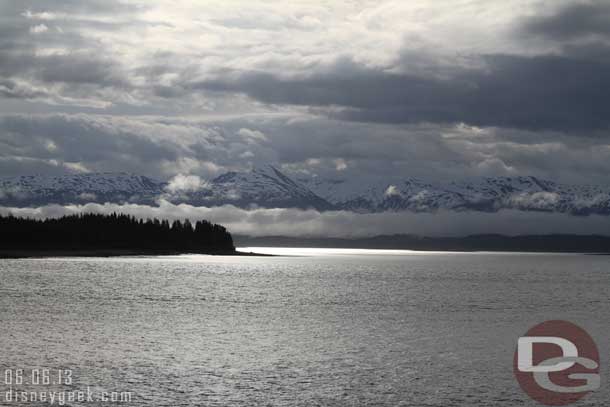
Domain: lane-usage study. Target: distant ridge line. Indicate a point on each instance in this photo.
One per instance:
(555, 243)
(269, 187)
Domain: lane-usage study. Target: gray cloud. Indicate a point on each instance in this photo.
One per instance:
(337, 89)
(518, 88)
(12, 89)
(156, 147)
(71, 6)
(55, 47)
(573, 21)
(79, 69)
(164, 147)
(540, 92)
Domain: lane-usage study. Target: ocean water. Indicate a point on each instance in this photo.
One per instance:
(310, 328)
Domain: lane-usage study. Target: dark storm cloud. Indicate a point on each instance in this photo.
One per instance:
(573, 21)
(565, 91)
(312, 88)
(77, 69)
(539, 92)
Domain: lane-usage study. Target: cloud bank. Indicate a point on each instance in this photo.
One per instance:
(163, 147)
(185, 91)
(367, 61)
(310, 223)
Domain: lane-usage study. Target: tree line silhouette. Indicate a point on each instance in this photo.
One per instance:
(113, 232)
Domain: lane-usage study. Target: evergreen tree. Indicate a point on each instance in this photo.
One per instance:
(114, 231)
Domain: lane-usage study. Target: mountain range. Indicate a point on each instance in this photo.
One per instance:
(268, 187)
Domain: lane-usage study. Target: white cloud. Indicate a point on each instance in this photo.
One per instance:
(585, 203)
(391, 191)
(184, 41)
(154, 56)
(87, 196)
(76, 167)
(540, 200)
(45, 15)
(340, 164)
(251, 136)
(38, 29)
(185, 183)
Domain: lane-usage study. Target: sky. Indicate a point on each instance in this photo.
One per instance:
(428, 89)
(436, 90)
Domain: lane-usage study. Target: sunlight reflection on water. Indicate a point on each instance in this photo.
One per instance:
(326, 327)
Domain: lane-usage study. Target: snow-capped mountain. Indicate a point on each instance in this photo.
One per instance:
(268, 187)
(265, 187)
(481, 194)
(34, 190)
(376, 195)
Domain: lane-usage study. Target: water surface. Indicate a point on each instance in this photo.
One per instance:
(329, 328)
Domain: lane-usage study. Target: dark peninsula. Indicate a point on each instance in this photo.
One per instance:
(110, 235)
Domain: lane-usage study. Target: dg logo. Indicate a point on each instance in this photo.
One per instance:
(557, 363)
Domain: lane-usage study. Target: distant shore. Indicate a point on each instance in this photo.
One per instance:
(586, 244)
(22, 254)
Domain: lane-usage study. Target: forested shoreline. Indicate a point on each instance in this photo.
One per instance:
(112, 233)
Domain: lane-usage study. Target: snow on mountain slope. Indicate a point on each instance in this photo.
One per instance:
(268, 187)
(482, 194)
(263, 187)
(375, 194)
(32, 190)
(345, 193)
